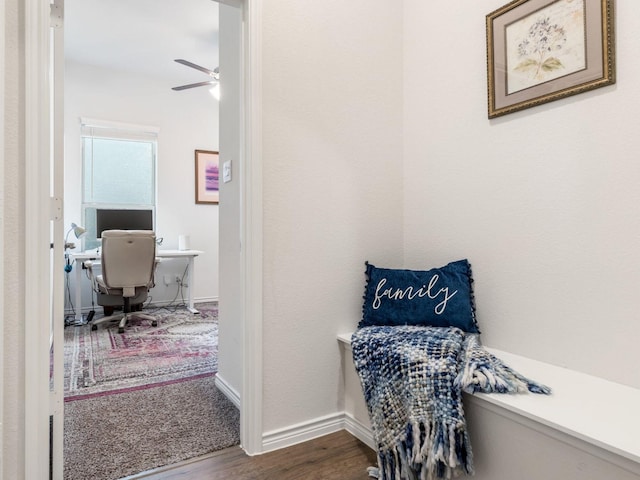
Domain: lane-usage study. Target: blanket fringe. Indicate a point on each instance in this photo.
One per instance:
(429, 452)
(486, 373)
(374, 472)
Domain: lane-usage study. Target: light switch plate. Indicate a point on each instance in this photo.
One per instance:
(226, 171)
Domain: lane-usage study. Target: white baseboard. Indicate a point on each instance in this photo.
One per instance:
(228, 391)
(302, 432)
(205, 300)
(359, 430)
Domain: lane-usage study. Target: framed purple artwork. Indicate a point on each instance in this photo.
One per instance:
(207, 176)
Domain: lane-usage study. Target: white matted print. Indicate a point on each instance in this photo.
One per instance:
(539, 51)
(545, 45)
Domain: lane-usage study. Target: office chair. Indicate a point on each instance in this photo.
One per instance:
(128, 265)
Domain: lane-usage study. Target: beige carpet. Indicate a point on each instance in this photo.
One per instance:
(111, 436)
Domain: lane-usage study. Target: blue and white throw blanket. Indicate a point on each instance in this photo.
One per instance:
(413, 378)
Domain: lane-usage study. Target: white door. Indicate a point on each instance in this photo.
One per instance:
(57, 263)
(44, 237)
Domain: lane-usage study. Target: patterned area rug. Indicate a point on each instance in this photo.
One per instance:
(183, 345)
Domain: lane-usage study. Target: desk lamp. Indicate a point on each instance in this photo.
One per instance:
(78, 231)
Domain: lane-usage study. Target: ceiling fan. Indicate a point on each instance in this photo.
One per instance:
(215, 74)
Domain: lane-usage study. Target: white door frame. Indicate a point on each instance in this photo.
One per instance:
(38, 205)
(251, 232)
(56, 262)
(38, 209)
(2, 210)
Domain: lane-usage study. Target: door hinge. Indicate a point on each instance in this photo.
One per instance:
(57, 15)
(56, 209)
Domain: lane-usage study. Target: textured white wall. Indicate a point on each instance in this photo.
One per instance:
(545, 202)
(188, 120)
(230, 316)
(13, 254)
(332, 187)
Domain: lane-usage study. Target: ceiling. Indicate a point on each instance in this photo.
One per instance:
(144, 36)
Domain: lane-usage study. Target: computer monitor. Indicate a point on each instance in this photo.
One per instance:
(112, 219)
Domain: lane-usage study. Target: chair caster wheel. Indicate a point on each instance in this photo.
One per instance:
(154, 323)
(94, 327)
(120, 329)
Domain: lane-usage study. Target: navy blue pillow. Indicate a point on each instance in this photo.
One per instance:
(440, 297)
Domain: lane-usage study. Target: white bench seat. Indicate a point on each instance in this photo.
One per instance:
(599, 412)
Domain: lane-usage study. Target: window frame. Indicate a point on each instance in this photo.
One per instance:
(117, 131)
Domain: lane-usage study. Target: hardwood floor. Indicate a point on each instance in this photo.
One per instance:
(338, 456)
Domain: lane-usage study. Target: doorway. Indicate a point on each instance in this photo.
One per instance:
(248, 177)
(120, 82)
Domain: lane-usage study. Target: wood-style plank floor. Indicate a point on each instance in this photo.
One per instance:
(338, 456)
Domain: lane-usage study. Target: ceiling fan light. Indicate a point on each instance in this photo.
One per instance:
(215, 91)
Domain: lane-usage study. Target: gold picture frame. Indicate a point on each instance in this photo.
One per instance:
(539, 51)
(207, 177)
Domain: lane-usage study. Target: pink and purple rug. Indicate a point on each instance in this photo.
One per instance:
(182, 346)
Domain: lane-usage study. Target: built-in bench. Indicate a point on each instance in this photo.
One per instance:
(583, 410)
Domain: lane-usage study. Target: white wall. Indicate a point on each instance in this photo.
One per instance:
(332, 187)
(544, 203)
(13, 255)
(230, 307)
(188, 120)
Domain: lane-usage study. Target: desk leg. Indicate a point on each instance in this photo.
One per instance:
(78, 305)
(190, 285)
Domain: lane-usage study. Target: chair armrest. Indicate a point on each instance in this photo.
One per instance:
(152, 283)
(89, 264)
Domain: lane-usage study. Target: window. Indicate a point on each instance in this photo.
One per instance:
(119, 171)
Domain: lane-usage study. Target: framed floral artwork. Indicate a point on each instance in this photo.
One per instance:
(539, 51)
(207, 176)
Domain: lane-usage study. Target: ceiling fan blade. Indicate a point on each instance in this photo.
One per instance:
(212, 73)
(192, 85)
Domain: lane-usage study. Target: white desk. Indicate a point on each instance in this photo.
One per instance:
(80, 257)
